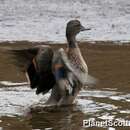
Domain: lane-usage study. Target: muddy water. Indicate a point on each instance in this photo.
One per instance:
(21, 109)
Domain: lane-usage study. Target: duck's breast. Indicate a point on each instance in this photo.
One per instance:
(77, 59)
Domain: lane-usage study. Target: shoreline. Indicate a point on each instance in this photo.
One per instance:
(26, 42)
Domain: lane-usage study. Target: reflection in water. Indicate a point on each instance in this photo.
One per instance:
(59, 118)
(111, 128)
(32, 115)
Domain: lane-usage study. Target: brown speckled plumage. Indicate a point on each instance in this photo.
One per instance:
(75, 59)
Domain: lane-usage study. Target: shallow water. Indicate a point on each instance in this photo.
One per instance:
(21, 109)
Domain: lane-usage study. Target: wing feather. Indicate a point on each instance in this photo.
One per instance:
(22, 58)
(37, 63)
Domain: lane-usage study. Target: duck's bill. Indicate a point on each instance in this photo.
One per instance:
(84, 29)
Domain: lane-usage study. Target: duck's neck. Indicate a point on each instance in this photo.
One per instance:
(71, 41)
(75, 55)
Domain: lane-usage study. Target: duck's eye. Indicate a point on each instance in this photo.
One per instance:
(77, 25)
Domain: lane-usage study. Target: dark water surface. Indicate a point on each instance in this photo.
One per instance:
(21, 109)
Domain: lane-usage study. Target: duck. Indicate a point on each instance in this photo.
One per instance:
(63, 71)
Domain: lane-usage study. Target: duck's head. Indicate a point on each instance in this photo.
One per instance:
(72, 29)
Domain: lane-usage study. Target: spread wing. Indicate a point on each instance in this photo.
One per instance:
(37, 63)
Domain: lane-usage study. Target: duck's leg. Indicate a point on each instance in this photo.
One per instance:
(63, 93)
(68, 98)
(61, 87)
(61, 90)
(54, 97)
